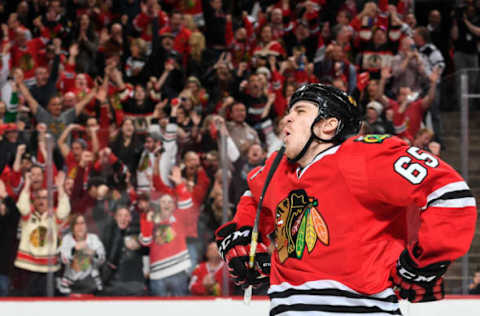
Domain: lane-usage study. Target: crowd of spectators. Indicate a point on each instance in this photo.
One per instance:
(129, 100)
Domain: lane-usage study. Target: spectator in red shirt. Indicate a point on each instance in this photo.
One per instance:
(26, 53)
(267, 41)
(207, 278)
(143, 22)
(71, 155)
(408, 111)
(165, 232)
(367, 19)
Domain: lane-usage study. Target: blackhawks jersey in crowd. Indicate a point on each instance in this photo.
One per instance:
(340, 223)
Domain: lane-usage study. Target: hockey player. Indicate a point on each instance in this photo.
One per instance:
(338, 208)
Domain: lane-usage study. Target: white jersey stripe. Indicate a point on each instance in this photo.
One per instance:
(185, 204)
(454, 186)
(178, 256)
(324, 284)
(333, 300)
(255, 111)
(329, 297)
(451, 187)
(455, 203)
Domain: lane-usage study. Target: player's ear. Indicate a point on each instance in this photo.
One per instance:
(327, 126)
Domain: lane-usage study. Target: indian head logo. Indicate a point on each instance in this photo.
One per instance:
(299, 225)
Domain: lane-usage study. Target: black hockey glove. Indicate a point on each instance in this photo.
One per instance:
(418, 284)
(234, 247)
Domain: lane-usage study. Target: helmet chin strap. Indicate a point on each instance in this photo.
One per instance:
(315, 137)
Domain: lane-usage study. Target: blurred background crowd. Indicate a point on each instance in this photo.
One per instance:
(144, 117)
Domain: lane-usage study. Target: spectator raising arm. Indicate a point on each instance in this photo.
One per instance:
(428, 99)
(4, 71)
(386, 74)
(17, 163)
(92, 132)
(63, 208)
(232, 151)
(32, 103)
(86, 100)
(23, 203)
(61, 142)
(474, 29)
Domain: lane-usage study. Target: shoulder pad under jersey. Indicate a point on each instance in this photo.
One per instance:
(357, 152)
(257, 176)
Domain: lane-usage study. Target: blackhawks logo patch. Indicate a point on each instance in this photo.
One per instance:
(372, 138)
(299, 225)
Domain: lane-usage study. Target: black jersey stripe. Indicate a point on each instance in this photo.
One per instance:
(156, 269)
(173, 258)
(330, 308)
(331, 292)
(169, 263)
(452, 195)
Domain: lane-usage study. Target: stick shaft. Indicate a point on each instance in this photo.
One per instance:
(272, 170)
(253, 244)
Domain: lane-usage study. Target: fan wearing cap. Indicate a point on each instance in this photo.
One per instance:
(337, 205)
(376, 124)
(181, 35)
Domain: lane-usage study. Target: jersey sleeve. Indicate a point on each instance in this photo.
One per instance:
(393, 173)
(247, 206)
(146, 231)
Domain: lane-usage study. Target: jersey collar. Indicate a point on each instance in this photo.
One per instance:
(329, 151)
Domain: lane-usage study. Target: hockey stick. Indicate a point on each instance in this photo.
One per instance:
(247, 296)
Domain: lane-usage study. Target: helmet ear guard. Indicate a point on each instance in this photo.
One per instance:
(331, 102)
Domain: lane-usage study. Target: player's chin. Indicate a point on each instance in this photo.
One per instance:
(290, 152)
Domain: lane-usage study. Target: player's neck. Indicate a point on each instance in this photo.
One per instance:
(315, 149)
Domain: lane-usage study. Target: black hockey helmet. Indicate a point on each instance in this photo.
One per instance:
(331, 102)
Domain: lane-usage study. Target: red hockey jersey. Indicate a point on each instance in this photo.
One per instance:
(340, 222)
(167, 239)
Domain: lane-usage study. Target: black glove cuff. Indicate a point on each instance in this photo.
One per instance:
(228, 237)
(408, 269)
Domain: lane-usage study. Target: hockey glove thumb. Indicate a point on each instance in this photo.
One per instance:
(418, 284)
(234, 247)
